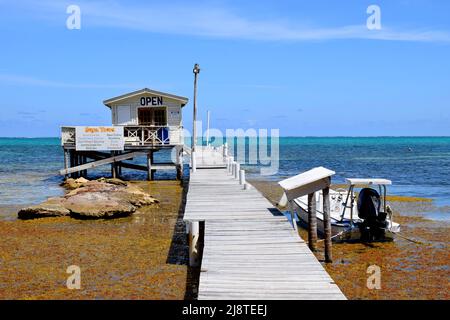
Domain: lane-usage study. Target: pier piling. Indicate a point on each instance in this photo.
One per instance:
(149, 166)
(113, 166)
(179, 163)
(327, 225)
(194, 234)
(312, 222)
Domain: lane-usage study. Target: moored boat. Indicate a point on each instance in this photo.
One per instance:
(366, 217)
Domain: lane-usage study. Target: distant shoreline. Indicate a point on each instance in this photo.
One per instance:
(308, 137)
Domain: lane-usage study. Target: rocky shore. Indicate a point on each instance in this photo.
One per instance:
(101, 198)
(140, 256)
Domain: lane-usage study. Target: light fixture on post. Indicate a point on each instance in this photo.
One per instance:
(196, 71)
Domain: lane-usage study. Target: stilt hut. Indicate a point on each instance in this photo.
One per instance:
(143, 122)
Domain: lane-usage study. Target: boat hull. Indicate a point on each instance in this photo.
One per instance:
(340, 231)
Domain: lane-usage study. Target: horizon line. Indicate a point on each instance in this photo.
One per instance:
(289, 136)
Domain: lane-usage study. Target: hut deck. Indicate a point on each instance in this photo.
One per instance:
(250, 250)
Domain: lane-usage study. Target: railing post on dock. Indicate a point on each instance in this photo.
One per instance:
(193, 162)
(242, 177)
(327, 225)
(194, 234)
(312, 222)
(236, 170)
(233, 167)
(225, 150)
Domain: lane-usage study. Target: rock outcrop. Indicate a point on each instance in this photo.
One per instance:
(71, 183)
(102, 198)
(53, 207)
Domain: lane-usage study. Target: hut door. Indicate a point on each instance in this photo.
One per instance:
(152, 117)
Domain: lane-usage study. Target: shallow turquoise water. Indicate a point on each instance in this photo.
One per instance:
(418, 166)
(29, 170)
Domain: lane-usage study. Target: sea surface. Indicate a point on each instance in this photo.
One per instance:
(418, 166)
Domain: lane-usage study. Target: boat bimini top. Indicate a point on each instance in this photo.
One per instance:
(365, 182)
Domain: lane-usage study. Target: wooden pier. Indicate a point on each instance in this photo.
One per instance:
(251, 251)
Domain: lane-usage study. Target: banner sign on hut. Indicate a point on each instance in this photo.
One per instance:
(99, 138)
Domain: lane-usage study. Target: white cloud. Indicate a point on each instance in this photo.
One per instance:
(206, 20)
(10, 79)
(219, 22)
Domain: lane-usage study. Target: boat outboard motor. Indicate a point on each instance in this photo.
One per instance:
(374, 221)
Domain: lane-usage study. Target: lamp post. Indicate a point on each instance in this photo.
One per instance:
(196, 71)
(194, 227)
(207, 128)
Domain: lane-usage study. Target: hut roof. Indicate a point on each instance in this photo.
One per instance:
(143, 91)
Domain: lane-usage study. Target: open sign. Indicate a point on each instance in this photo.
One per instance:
(151, 101)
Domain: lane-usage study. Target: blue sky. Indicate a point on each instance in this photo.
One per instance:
(309, 68)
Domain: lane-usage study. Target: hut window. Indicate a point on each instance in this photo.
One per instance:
(152, 116)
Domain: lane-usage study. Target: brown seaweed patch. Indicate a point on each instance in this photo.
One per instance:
(407, 199)
(125, 258)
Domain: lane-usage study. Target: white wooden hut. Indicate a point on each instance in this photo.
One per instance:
(146, 120)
